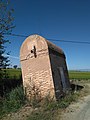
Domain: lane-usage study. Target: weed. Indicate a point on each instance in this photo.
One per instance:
(12, 101)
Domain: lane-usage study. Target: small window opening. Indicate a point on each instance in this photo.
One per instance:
(34, 51)
(31, 51)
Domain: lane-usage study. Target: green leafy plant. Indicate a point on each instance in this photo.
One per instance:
(13, 101)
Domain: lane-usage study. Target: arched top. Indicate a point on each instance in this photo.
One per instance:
(38, 43)
(54, 47)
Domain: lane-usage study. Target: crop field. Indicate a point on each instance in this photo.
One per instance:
(13, 73)
(72, 74)
(79, 75)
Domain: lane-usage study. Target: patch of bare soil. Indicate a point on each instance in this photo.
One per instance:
(22, 114)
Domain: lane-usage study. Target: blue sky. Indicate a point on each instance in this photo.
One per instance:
(54, 19)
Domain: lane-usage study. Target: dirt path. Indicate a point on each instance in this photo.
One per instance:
(78, 111)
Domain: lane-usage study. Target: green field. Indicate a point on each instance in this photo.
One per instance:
(14, 73)
(79, 75)
(72, 74)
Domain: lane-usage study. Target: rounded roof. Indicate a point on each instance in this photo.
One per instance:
(40, 43)
(54, 47)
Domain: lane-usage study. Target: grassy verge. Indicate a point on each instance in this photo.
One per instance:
(12, 101)
(52, 110)
(45, 110)
(49, 110)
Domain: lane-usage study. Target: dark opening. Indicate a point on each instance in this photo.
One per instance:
(34, 51)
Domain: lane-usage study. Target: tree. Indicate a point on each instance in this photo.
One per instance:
(6, 26)
(15, 66)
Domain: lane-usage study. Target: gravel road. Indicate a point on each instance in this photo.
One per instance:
(78, 111)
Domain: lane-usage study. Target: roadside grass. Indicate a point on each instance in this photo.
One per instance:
(46, 110)
(49, 110)
(52, 110)
(12, 101)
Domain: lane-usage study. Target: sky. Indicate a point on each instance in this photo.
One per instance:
(53, 19)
